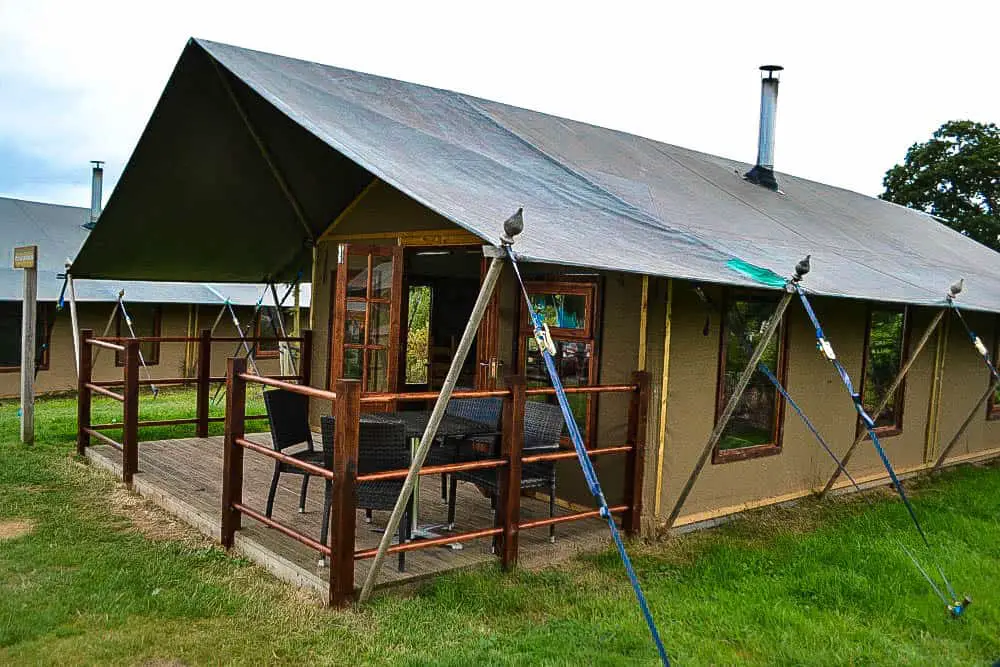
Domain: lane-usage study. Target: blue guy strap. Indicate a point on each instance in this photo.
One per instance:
(957, 607)
(976, 340)
(590, 475)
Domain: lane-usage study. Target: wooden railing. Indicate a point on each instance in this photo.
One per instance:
(130, 383)
(346, 401)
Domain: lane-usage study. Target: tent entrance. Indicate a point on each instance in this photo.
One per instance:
(397, 316)
(440, 289)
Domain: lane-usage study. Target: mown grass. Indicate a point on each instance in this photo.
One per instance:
(819, 584)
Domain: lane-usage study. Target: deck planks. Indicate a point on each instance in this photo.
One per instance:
(184, 476)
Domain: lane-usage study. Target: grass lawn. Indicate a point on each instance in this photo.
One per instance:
(91, 575)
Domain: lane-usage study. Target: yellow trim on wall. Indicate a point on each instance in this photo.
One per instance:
(664, 386)
(326, 235)
(429, 238)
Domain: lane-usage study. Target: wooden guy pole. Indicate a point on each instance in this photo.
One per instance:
(26, 258)
(885, 399)
(727, 413)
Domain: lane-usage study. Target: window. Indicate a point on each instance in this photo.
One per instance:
(570, 310)
(10, 335)
(755, 426)
(885, 351)
(145, 322)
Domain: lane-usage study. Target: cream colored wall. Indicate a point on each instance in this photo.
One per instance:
(812, 382)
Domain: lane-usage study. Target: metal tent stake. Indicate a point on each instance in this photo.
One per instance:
(482, 301)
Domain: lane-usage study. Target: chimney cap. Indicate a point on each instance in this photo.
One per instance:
(97, 163)
(771, 70)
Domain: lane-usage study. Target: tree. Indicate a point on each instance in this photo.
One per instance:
(956, 176)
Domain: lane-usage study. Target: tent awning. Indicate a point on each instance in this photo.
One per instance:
(249, 156)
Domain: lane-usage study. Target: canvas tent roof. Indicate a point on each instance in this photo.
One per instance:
(198, 194)
(58, 232)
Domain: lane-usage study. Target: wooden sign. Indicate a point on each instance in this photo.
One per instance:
(26, 257)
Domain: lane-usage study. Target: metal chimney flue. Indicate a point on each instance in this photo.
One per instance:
(96, 188)
(763, 172)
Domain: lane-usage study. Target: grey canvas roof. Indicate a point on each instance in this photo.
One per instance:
(58, 232)
(198, 194)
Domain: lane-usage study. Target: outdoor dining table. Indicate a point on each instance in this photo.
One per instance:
(415, 422)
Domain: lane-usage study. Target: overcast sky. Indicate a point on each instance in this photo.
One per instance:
(863, 80)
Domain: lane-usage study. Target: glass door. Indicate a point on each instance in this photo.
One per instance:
(366, 321)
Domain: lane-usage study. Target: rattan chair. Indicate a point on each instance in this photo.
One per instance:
(454, 450)
(543, 425)
(288, 413)
(382, 445)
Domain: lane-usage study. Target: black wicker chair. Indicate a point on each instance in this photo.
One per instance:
(382, 445)
(454, 450)
(288, 413)
(543, 425)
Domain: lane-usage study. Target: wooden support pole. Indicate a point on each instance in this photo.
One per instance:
(130, 413)
(638, 415)
(305, 357)
(232, 453)
(347, 417)
(661, 441)
(29, 315)
(83, 392)
(74, 321)
(508, 513)
(965, 424)
(898, 380)
(727, 413)
(643, 322)
(204, 384)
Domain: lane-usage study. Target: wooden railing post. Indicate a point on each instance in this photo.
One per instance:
(509, 477)
(82, 393)
(130, 413)
(232, 453)
(305, 357)
(638, 413)
(347, 415)
(203, 383)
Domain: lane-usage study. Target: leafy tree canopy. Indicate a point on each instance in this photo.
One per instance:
(956, 176)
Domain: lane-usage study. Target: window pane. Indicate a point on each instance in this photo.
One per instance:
(10, 334)
(378, 370)
(565, 311)
(352, 363)
(357, 274)
(572, 361)
(354, 325)
(418, 326)
(885, 357)
(753, 422)
(381, 277)
(378, 327)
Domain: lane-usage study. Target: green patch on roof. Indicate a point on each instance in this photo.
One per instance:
(756, 273)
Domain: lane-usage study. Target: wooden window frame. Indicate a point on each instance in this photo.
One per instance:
(152, 359)
(260, 352)
(896, 428)
(992, 407)
(778, 427)
(45, 314)
(591, 289)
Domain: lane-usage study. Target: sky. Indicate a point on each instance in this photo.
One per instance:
(862, 81)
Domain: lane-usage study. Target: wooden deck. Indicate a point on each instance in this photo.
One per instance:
(184, 476)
